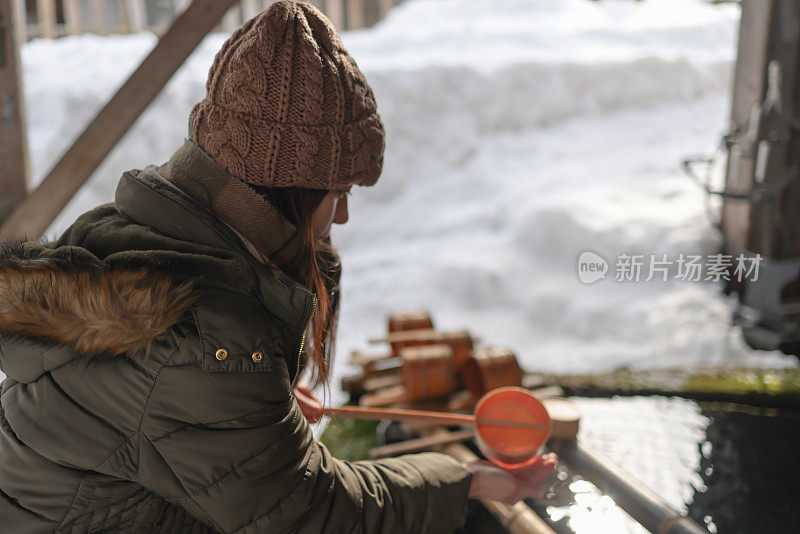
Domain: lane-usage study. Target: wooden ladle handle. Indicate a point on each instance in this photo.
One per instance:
(442, 418)
(396, 414)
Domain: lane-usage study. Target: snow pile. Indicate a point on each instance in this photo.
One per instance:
(519, 133)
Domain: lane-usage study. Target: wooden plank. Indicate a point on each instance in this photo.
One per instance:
(46, 15)
(748, 93)
(14, 169)
(98, 15)
(73, 16)
(34, 215)
(136, 13)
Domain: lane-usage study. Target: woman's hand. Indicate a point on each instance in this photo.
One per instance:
(509, 486)
(309, 405)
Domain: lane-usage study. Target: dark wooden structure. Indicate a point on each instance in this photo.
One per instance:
(14, 168)
(32, 217)
(761, 198)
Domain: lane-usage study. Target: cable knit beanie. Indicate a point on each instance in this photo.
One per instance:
(286, 105)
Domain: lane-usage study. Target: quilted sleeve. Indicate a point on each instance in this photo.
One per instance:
(233, 448)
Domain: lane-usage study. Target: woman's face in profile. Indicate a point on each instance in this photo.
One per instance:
(332, 209)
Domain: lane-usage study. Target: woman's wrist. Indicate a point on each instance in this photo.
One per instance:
(491, 482)
(477, 488)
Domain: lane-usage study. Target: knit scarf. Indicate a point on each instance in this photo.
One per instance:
(264, 231)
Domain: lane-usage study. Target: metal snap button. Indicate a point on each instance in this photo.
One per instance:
(258, 356)
(221, 354)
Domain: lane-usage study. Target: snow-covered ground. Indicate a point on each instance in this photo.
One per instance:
(519, 134)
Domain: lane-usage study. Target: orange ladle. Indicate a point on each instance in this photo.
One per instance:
(511, 425)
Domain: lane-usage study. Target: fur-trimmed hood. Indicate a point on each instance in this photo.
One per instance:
(89, 307)
(123, 274)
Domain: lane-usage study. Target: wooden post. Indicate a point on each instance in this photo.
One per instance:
(36, 213)
(355, 14)
(20, 21)
(99, 18)
(46, 12)
(773, 224)
(335, 13)
(136, 14)
(73, 16)
(791, 202)
(14, 171)
(748, 93)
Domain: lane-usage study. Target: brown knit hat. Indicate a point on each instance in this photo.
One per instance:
(286, 105)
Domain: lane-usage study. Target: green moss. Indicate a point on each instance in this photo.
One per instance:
(350, 439)
(771, 382)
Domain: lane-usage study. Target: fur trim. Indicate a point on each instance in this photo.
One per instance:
(94, 309)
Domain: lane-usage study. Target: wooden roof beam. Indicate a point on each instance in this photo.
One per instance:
(32, 217)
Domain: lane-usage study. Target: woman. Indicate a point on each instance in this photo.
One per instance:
(152, 352)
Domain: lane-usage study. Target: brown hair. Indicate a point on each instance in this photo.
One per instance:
(317, 267)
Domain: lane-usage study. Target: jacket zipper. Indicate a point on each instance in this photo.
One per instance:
(303, 339)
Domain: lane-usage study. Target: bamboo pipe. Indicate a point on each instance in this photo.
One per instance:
(421, 416)
(639, 502)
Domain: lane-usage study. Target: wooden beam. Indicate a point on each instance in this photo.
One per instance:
(748, 93)
(46, 15)
(14, 170)
(39, 210)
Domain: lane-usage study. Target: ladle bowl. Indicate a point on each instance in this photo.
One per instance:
(511, 447)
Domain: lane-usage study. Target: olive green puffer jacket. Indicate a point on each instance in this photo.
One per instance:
(149, 362)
